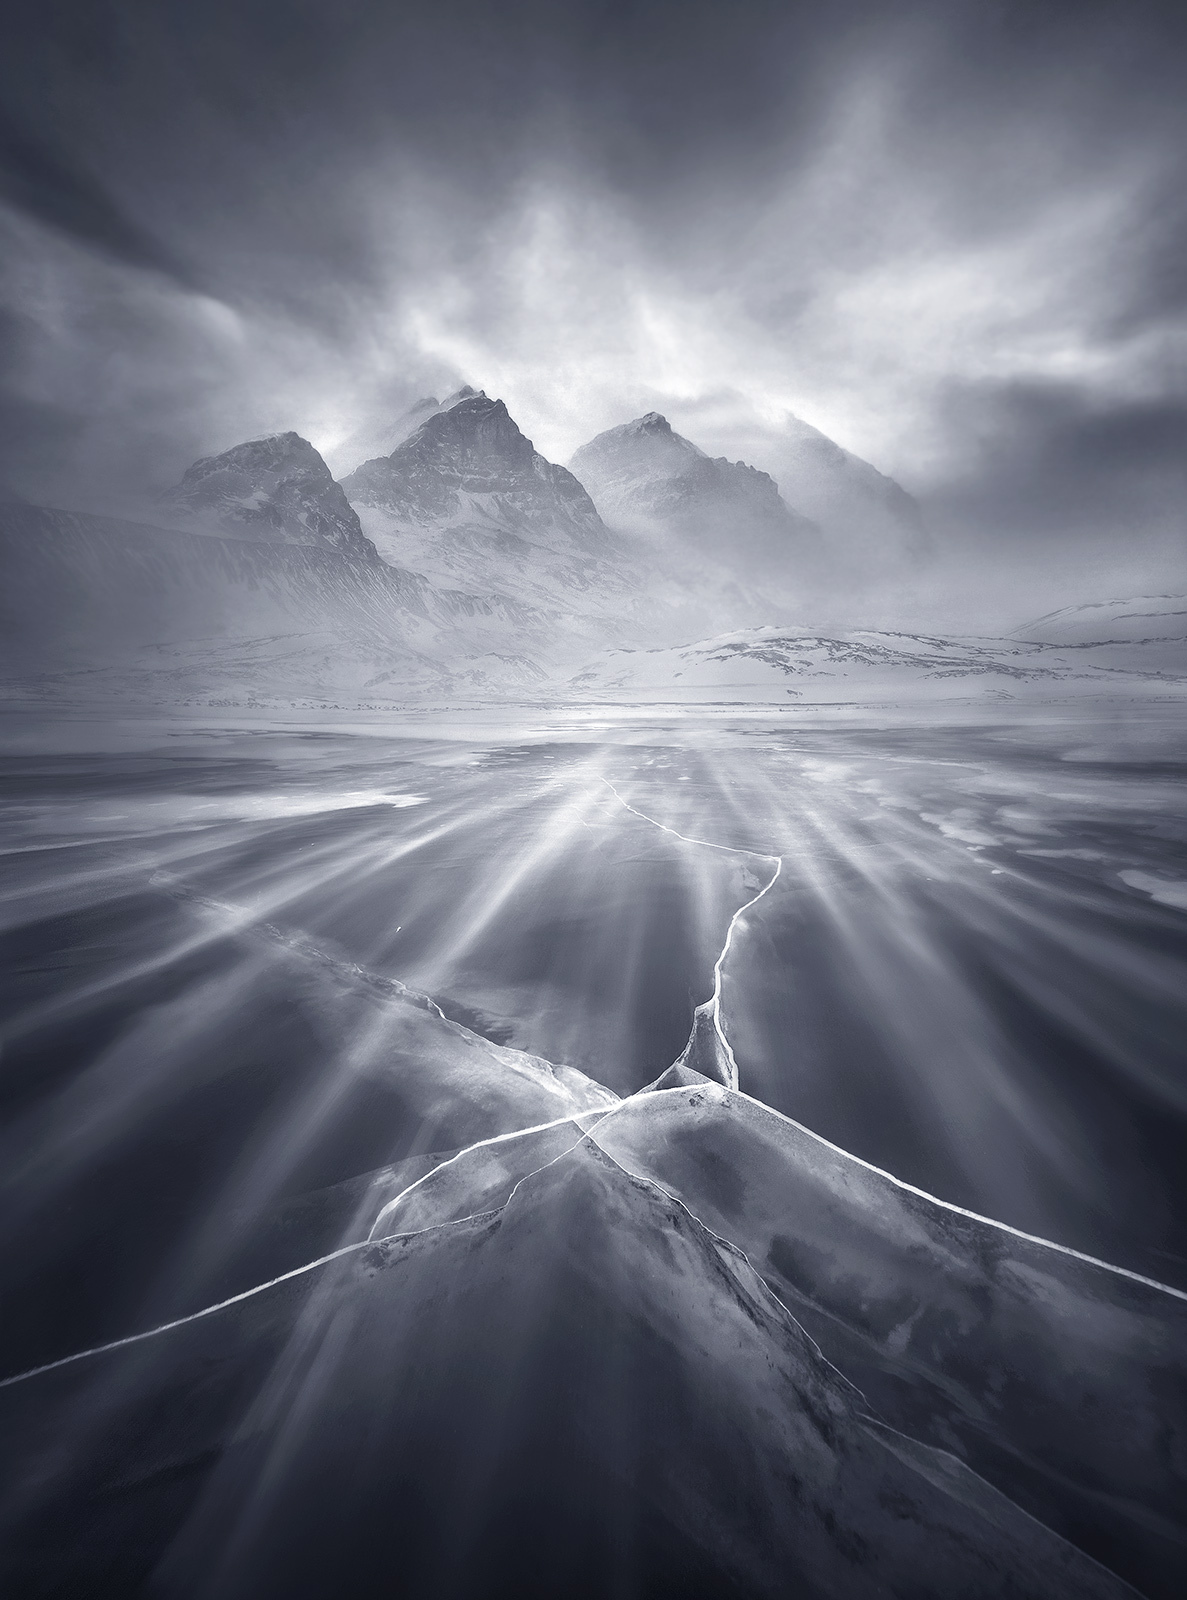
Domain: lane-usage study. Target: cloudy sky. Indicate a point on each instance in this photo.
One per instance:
(953, 235)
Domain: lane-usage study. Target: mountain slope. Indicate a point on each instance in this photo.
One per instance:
(97, 605)
(648, 479)
(845, 494)
(276, 489)
(470, 471)
(467, 502)
(1144, 618)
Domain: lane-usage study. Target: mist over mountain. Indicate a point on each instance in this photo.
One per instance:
(378, 437)
(593, 669)
(860, 506)
(464, 561)
(648, 479)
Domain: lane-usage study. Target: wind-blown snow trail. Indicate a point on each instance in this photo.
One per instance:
(729, 849)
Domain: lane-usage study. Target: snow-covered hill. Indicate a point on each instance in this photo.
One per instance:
(1160, 618)
(778, 663)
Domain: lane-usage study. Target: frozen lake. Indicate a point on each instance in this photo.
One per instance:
(965, 963)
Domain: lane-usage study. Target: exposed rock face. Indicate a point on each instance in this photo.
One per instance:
(470, 465)
(276, 489)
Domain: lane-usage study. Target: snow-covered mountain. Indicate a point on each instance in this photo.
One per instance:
(1160, 618)
(265, 587)
(463, 562)
(871, 527)
(467, 502)
(98, 606)
(497, 573)
(775, 664)
(379, 437)
(847, 496)
(649, 480)
(276, 489)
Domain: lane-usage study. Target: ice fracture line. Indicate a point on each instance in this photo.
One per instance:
(729, 849)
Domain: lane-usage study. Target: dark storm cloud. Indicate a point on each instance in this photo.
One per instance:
(1059, 462)
(252, 119)
(58, 190)
(950, 234)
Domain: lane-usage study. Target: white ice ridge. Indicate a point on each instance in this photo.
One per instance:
(296, 1272)
(425, 1178)
(586, 1133)
(181, 1322)
(959, 1211)
(730, 849)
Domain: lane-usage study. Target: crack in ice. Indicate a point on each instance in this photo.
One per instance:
(309, 1266)
(587, 1134)
(718, 965)
(301, 945)
(459, 1155)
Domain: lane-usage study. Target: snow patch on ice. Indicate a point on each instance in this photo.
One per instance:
(1167, 891)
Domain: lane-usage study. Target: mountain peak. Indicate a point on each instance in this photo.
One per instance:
(468, 466)
(276, 489)
(474, 435)
(649, 482)
(648, 443)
